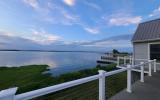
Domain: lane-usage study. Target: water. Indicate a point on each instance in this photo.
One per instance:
(59, 62)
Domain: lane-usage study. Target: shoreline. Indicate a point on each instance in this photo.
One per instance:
(55, 51)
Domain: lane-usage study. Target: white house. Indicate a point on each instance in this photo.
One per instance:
(146, 40)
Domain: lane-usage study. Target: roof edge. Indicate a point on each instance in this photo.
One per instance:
(149, 40)
(149, 21)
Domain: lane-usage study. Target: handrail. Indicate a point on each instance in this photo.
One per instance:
(9, 94)
(51, 89)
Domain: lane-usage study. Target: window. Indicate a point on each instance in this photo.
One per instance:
(155, 51)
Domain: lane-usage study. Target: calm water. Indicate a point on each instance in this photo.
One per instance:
(59, 62)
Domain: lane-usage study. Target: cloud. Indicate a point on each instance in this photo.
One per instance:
(155, 12)
(6, 33)
(122, 19)
(93, 5)
(123, 41)
(92, 30)
(113, 44)
(42, 37)
(125, 21)
(45, 13)
(38, 36)
(61, 15)
(33, 3)
(69, 2)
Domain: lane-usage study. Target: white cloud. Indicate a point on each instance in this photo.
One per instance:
(69, 2)
(38, 36)
(111, 44)
(45, 11)
(92, 30)
(61, 15)
(33, 3)
(114, 44)
(155, 12)
(125, 21)
(6, 33)
(93, 5)
(42, 37)
(122, 19)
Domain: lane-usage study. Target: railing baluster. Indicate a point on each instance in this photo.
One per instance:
(155, 67)
(118, 63)
(150, 69)
(142, 72)
(124, 60)
(130, 59)
(129, 89)
(102, 85)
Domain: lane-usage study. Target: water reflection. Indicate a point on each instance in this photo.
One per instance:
(59, 62)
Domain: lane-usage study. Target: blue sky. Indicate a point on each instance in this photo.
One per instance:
(47, 22)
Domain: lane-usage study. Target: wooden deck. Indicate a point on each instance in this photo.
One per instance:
(149, 90)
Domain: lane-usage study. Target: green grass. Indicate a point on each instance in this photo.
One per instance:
(28, 78)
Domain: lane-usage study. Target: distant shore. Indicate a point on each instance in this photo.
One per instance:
(53, 51)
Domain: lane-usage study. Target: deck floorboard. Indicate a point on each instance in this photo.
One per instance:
(149, 90)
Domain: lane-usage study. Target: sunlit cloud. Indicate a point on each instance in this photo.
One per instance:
(33, 3)
(125, 21)
(38, 36)
(45, 13)
(42, 37)
(122, 19)
(92, 30)
(69, 2)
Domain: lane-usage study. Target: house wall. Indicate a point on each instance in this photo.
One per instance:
(142, 51)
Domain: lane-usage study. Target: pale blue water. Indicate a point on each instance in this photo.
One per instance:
(59, 62)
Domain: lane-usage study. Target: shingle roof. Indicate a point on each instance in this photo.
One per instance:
(147, 31)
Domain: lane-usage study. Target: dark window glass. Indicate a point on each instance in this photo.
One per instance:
(155, 51)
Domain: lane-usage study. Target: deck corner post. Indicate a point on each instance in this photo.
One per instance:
(129, 88)
(8, 94)
(102, 85)
(155, 67)
(150, 69)
(142, 72)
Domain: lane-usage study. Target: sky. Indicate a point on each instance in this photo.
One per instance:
(46, 23)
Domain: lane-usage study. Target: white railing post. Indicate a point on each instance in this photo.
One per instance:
(142, 72)
(102, 85)
(155, 67)
(8, 94)
(118, 63)
(124, 60)
(130, 60)
(150, 69)
(129, 89)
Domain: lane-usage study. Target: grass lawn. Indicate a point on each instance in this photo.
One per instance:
(28, 78)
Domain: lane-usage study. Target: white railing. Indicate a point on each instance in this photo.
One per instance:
(9, 94)
(131, 61)
(125, 59)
